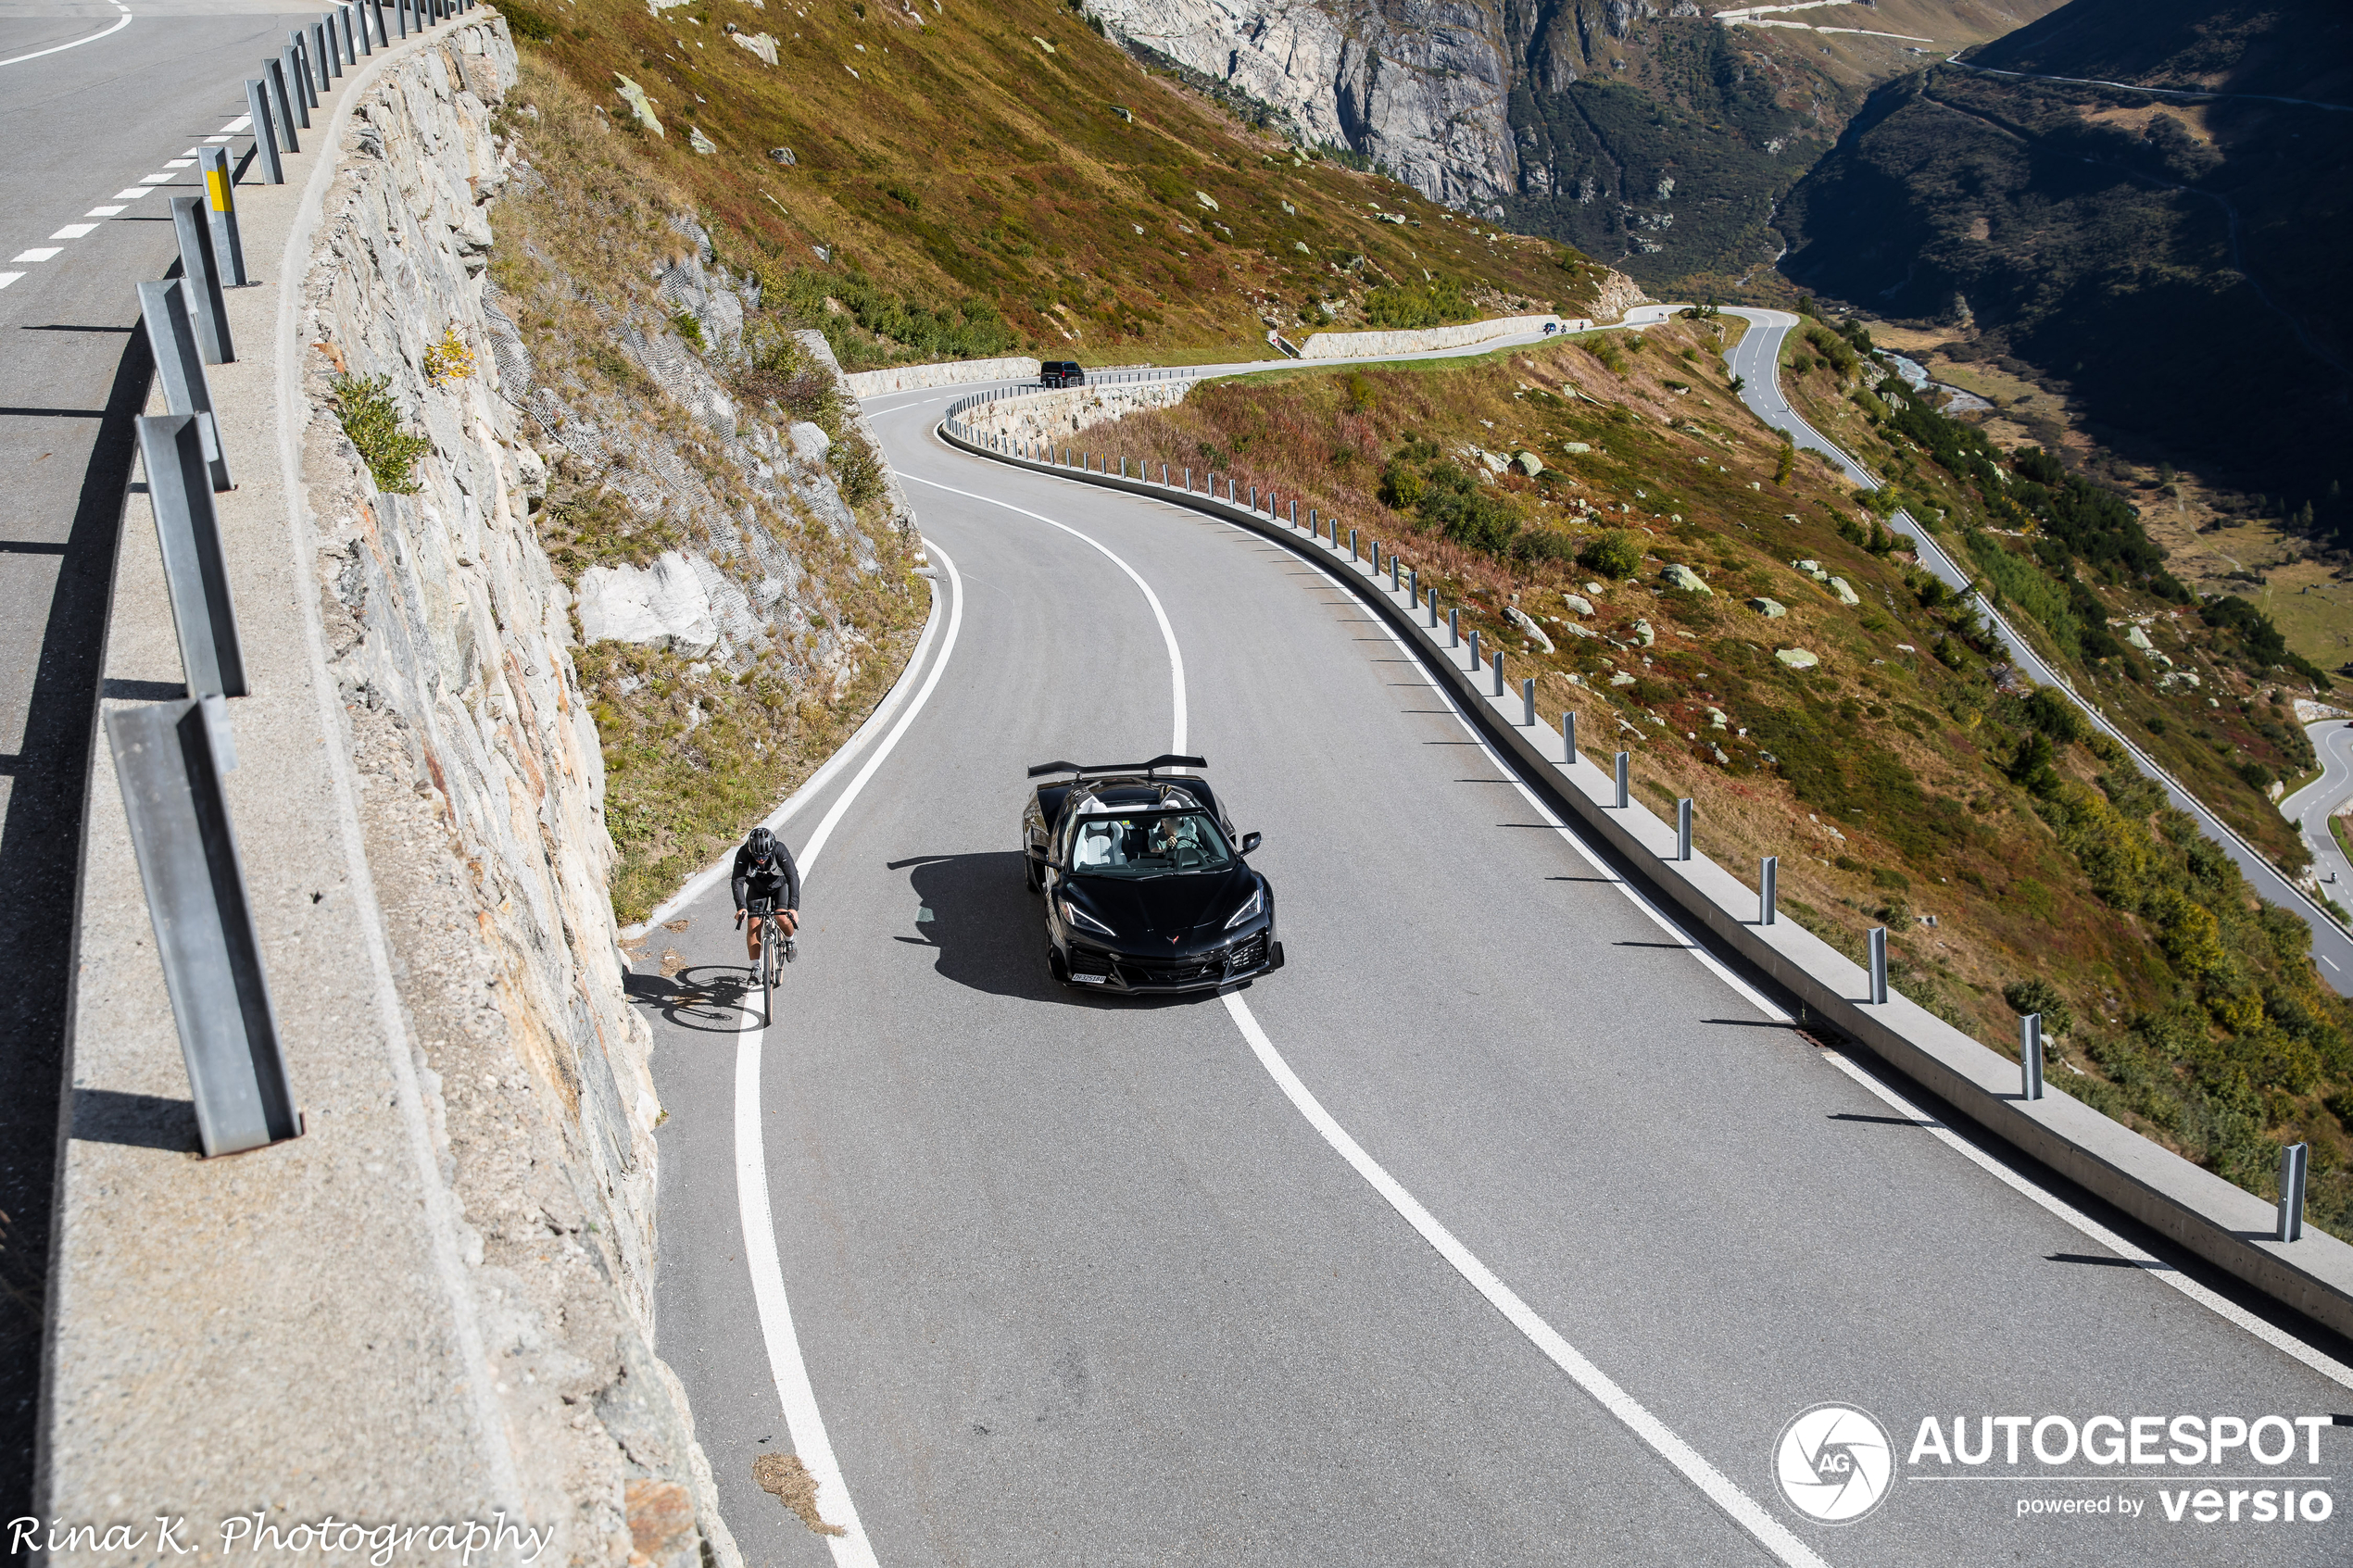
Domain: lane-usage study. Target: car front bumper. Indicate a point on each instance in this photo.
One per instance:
(1099, 969)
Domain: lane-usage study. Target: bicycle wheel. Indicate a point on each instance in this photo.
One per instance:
(769, 960)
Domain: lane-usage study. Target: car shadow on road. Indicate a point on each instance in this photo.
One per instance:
(989, 930)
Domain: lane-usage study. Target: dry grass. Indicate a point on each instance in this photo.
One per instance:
(962, 162)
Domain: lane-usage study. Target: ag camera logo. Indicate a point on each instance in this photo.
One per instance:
(1834, 1464)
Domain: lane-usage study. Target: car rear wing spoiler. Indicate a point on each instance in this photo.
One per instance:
(1165, 760)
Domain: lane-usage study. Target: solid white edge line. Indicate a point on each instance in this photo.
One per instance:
(2156, 1268)
(61, 48)
(1719, 1488)
(795, 1393)
(814, 786)
(1167, 633)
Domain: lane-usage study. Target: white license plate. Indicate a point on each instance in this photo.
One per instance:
(1090, 979)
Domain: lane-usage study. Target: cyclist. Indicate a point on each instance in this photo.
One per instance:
(764, 870)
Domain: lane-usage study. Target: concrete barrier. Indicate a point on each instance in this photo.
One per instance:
(953, 373)
(1422, 340)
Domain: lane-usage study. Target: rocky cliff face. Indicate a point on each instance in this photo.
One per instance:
(452, 638)
(1647, 132)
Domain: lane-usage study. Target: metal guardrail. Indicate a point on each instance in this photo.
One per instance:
(170, 756)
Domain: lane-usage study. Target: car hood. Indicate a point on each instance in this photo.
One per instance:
(1164, 905)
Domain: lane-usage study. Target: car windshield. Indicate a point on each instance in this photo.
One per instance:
(1147, 844)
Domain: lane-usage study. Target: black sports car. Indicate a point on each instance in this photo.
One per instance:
(1146, 888)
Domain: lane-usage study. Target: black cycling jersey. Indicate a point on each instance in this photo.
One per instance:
(777, 877)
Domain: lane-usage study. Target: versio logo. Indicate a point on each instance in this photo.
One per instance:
(1834, 1464)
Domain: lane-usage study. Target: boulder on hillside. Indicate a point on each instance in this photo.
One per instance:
(1845, 594)
(1528, 463)
(1768, 609)
(1797, 659)
(1683, 577)
(1579, 603)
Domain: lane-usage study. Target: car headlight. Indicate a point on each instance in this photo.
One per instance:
(1251, 906)
(1077, 916)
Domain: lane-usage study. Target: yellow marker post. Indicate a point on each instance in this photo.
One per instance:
(221, 202)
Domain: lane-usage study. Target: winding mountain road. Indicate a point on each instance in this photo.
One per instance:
(1506, 1224)
(2310, 806)
(1757, 358)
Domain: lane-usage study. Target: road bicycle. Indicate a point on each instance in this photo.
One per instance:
(776, 949)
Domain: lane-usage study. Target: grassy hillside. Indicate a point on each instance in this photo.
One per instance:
(2072, 565)
(929, 184)
(2167, 267)
(1903, 777)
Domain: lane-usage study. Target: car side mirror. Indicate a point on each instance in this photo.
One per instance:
(1250, 842)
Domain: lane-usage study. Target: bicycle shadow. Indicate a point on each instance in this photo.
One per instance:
(702, 998)
(989, 931)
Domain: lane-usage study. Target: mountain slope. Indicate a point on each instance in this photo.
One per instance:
(931, 182)
(2167, 262)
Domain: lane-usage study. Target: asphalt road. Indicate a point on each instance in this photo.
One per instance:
(2309, 807)
(1332, 1270)
(85, 123)
(1757, 358)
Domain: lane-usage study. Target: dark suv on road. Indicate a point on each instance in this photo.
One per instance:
(1061, 372)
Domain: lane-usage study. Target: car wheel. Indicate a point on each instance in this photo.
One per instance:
(1054, 965)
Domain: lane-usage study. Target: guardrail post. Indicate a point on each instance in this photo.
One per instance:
(1294, 514)
(1683, 828)
(1475, 648)
(382, 37)
(1878, 938)
(1527, 702)
(1453, 623)
(285, 85)
(1351, 544)
(325, 56)
(188, 864)
(2030, 1057)
(1414, 592)
(203, 280)
(219, 183)
(1189, 482)
(1498, 672)
(1768, 876)
(1395, 582)
(265, 130)
(2293, 1160)
(196, 572)
(171, 337)
(1164, 476)
(299, 72)
(1625, 780)
(400, 16)
(1569, 738)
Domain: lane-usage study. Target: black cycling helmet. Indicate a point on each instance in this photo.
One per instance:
(761, 842)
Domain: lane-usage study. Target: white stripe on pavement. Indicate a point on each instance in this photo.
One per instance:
(61, 48)
(795, 1393)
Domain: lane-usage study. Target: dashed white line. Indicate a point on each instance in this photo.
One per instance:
(180, 162)
(102, 212)
(164, 178)
(43, 254)
(238, 126)
(7, 277)
(134, 190)
(74, 230)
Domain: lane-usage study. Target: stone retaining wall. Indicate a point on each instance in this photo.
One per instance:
(1360, 346)
(955, 372)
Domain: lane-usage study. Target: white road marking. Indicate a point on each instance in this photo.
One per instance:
(134, 190)
(238, 126)
(102, 212)
(2278, 1338)
(1714, 1484)
(1167, 633)
(7, 277)
(74, 230)
(178, 163)
(61, 48)
(795, 1393)
(164, 178)
(40, 255)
